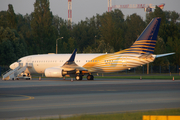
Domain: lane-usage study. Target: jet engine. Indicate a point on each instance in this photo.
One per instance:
(53, 72)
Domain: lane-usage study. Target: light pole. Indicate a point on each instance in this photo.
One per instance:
(95, 40)
(57, 44)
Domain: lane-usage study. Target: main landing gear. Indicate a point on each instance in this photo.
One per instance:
(90, 77)
(80, 77)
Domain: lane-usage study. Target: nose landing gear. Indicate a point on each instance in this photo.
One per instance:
(78, 77)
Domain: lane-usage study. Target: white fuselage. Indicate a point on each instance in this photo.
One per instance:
(92, 62)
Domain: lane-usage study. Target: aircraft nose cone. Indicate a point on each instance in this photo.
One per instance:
(14, 65)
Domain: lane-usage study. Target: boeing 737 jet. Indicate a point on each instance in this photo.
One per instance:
(78, 65)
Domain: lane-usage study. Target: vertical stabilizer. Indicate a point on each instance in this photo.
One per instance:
(147, 40)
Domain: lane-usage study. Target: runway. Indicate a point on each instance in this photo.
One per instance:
(57, 97)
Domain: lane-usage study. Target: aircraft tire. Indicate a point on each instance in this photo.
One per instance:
(79, 77)
(90, 77)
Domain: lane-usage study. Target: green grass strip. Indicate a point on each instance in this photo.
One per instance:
(122, 116)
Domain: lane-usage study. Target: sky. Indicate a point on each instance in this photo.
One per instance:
(86, 8)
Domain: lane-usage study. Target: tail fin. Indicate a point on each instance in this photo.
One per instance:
(147, 40)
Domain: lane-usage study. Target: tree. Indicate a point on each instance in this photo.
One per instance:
(112, 29)
(102, 47)
(160, 49)
(158, 12)
(174, 16)
(135, 25)
(83, 34)
(11, 17)
(173, 46)
(71, 44)
(3, 19)
(12, 46)
(42, 28)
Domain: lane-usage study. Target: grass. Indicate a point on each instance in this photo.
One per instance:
(129, 76)
(122, 116)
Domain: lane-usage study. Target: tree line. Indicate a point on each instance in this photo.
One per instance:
(36, 33)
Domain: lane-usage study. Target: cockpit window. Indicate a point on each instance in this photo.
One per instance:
(19, 61)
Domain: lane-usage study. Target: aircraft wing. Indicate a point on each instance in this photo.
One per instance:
(71, 65)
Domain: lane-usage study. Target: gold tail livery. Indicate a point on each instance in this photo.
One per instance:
(78, 65)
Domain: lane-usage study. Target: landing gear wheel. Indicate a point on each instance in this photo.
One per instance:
(79, 77)
(28, 78)
(90, 77)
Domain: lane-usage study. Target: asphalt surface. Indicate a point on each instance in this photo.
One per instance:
(57, 97)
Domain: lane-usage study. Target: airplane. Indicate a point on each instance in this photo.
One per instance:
(78, 65)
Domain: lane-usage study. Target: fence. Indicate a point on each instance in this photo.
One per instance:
(138, 70)
(153, 69)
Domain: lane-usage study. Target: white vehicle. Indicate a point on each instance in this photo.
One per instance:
(72, 65)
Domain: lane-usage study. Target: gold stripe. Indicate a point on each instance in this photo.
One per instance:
(145, 41)
(142, 46)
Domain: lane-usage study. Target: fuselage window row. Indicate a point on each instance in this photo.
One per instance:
(44, 61)
(92, 60)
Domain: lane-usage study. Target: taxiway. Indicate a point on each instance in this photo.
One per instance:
(57, 97)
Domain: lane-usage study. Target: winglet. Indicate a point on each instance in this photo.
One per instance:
(71, 59)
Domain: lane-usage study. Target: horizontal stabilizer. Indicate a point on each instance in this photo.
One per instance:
(162, 55)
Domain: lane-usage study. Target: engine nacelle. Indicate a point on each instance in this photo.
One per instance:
(53, 72)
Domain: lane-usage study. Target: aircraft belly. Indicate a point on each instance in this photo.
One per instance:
(40, 68)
